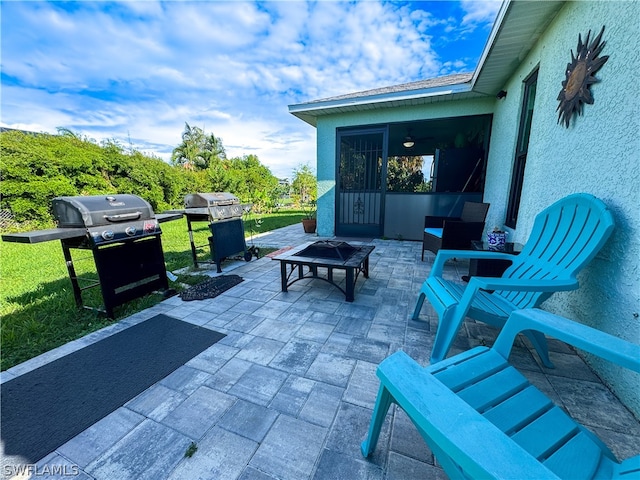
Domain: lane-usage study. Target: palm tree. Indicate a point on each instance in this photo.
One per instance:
(213, 150)
(189, 152)
(197, 151)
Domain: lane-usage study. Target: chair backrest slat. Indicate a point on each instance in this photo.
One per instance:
(565, 237)
(474, 212)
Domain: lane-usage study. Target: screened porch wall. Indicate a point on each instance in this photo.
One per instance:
(405, 212)
(327, 128)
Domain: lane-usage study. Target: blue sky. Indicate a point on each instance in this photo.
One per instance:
(137, 71)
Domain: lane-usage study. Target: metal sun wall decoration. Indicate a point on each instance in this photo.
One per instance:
(576, 88)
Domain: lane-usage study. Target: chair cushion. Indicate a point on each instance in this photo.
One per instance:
(436, 232)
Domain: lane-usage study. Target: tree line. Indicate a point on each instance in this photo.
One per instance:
(35, 168)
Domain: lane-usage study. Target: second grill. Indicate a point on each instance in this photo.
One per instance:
(223, 212)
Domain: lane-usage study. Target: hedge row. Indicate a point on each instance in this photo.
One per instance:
(35, 168)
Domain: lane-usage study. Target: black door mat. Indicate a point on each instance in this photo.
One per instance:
(45, 408)
(211, 288)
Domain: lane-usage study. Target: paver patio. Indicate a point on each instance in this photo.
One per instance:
(288, 393)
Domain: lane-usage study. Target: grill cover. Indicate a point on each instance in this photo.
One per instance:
(100, 210)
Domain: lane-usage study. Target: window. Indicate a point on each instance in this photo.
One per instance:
(409, 173)
(519, 162)
(360, 165)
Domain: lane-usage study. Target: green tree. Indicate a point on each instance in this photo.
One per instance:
(189, 153)
(304, 185)
(35, 168)
(197, 150)
(220, 178)
(213, 150)
(404, 174)
(251, 181)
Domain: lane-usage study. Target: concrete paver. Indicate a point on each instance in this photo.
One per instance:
(289, 392)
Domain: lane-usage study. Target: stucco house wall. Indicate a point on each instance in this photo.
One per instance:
(599, 154)
(326, 146)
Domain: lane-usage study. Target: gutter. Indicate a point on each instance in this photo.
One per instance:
(381, 98)
(497, 28)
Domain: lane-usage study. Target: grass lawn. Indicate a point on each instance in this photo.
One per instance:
(37, 308)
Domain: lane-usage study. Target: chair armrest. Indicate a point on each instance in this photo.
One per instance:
(447, 421)
(436, 221)
(444, 255)
(597, 342)
(519, 285)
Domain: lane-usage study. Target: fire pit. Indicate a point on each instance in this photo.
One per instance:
(123, 234)
(329, 255)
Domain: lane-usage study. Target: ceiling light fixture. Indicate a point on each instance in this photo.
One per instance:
(408, 142)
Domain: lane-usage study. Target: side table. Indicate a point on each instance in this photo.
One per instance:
(490, 268)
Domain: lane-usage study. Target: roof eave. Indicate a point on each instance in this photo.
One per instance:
(497, 27)
(305, 111)
(510, 41)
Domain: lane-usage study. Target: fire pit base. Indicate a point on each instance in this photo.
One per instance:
(325, 255)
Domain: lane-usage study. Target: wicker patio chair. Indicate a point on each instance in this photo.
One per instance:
(454, 233)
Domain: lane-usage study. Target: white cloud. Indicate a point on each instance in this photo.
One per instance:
(140, 70)
(480, 12)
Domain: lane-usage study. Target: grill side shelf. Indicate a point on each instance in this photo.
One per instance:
(169, 216)
(38, 236)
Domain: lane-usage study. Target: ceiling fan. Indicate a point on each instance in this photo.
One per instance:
(409, 141)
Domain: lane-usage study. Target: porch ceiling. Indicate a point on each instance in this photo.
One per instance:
(517, 28)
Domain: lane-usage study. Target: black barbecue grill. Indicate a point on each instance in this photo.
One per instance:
(107, 219)
(223, 211)
(123, 234)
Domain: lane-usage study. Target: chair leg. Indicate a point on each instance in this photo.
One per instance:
(448, 327)
(419, 303)
(383, 402)
(539, 342)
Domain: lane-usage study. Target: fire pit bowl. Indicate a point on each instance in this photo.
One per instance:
(328, 249)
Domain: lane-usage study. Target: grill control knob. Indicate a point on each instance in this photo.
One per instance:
(107, 235)
(131, 231)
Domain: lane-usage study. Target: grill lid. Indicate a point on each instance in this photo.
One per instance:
(216, 199)
(216, 206)
(100, 210)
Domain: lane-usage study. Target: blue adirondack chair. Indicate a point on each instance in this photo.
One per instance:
(564, 238)
(483, 419)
